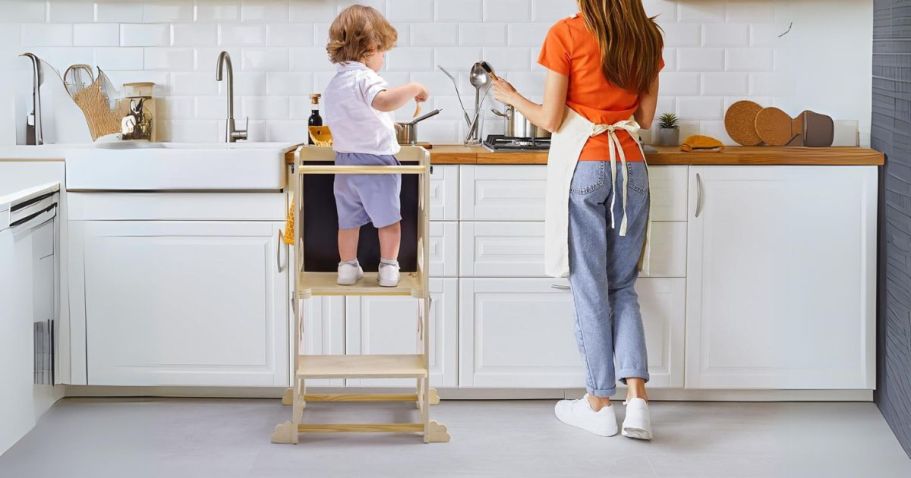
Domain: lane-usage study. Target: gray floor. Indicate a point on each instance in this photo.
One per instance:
(177, 438)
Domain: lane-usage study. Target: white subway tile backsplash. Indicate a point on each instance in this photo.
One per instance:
(23, 11)
(171, 59)
(549, 11)
(463, 11)
(507, 10)
(482, 34)
(682, 34)
(716, 52)
(410, 59)
(194, 34)
(725, 34)
(265, 59)
(312, 11)
(65, 11)
(96, 34)
(289, 83)
(700, 107)
(311, 59)
(409, 10)
(134, 34)
(218, 11)
(679, 84)
(750, 11)
(457, 58)
(43, 34)
(703, 12)
(433, 34)
(748, 59)
(167, 11)
(700, 59)
(272, 11)
(289, 34)
(242, 35)
(118, 11)
(725, 84)
(528, 34)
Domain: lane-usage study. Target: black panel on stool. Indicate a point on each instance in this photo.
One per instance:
(321, 227)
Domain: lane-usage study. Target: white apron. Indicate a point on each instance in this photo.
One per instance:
(565, 147)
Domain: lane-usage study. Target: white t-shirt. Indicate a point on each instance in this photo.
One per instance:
(355, 125)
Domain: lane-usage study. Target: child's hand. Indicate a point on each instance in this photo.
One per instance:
(421, 93)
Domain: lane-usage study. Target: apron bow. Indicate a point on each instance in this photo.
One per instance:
(631, 127)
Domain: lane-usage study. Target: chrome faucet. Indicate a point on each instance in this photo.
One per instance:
(34, 132)
(232, 134)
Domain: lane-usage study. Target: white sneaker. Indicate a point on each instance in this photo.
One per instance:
(349, 273)
(388, 273)
(638, 422)
(579, 413)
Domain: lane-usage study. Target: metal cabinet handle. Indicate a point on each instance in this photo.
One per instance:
(278, 252)
(699, 194)
(559, 286)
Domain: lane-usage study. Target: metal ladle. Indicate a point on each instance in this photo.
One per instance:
(479, 78)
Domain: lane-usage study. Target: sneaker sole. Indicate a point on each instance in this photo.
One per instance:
(388, 284)
(637, 433)
(600, 433)
(346, 283)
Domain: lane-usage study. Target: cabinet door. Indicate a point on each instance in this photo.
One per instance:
(519, 333)
(184, 303)
(781, 277)
(444, 249)
(444, 193)
(388, 325)
(502, 193)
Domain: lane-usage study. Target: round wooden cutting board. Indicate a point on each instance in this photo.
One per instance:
(740, 123)
(775, 127)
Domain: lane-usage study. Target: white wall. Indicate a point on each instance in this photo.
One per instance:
(716, 52)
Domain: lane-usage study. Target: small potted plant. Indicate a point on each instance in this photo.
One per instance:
(668, 130)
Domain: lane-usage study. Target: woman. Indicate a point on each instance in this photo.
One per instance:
(602, 83)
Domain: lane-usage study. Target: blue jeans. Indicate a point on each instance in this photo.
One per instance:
(603, 270)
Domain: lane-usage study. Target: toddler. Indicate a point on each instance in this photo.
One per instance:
(359, 106)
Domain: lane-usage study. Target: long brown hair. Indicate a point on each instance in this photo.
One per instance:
(630, 41)
(356, 32)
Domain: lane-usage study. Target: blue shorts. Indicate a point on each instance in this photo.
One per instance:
(367, 198)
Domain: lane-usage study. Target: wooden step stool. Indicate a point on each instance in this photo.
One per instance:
(320, 161)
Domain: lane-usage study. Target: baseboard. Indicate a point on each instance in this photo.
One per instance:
(657, 394)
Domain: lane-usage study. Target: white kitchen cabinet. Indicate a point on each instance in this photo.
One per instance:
(519, 333)
(516, 249)
(781, 277)
(444, 249)
(182, 303)
(516, 193)
(324, 332)
(444, 193)
(389, 325)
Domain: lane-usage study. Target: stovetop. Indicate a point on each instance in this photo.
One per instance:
(498, 142)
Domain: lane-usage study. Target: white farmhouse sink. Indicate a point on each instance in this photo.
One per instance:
(177, 167)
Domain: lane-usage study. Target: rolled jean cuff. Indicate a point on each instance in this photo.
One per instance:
(632, 373)
(601, 393)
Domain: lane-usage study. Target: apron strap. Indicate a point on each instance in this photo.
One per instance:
(615, 148)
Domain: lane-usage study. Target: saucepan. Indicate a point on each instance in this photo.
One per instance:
(518, 126)
(407, 132)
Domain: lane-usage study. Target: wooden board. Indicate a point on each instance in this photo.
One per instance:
(315, 284)
(361, 366)
(740, 123)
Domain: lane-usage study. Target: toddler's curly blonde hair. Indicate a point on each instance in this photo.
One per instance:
(358, 31)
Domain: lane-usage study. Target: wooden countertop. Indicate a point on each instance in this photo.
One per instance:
(732, 155)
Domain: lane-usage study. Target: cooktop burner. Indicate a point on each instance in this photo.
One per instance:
(498, 142)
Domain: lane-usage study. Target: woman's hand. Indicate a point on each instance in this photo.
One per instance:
(504, 92)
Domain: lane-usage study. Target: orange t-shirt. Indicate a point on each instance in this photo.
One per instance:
(572, 50)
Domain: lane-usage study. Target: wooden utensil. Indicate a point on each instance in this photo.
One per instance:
(777, 128)
(417, 109)
(740, 123)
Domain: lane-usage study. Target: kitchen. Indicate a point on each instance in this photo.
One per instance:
(773, 286)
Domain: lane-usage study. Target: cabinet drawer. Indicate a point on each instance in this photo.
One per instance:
(388, 325)
(498, 193)
(444, 249)
(516, 249)
(519, 333)
(444, 193)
